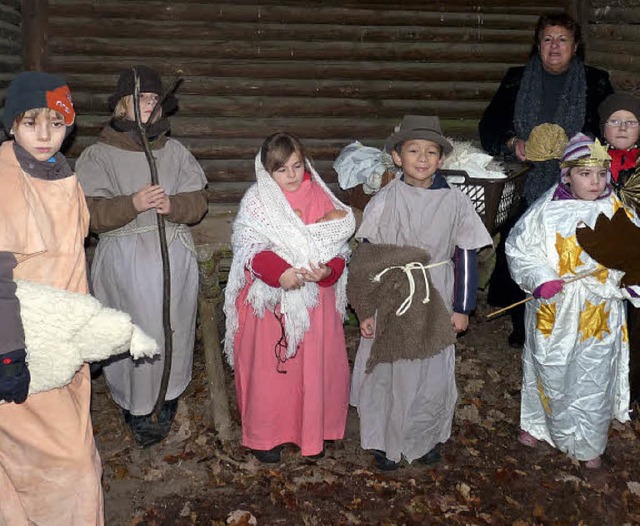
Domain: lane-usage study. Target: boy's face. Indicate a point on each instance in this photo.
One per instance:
(290, 175)
(587, 182)
(40, 132)
(623, 136)
(148, 103)
(419, 160)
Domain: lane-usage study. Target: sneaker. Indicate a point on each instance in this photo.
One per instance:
(432, 457)
(383, 463)
(270, 456)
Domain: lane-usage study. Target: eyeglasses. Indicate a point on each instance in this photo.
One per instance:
(616, 123)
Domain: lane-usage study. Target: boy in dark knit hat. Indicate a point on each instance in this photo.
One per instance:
(49, 467)
(619, 114)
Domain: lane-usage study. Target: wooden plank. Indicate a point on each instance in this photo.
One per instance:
(321, 126)
(154, 10)
(294, 50)
(384, 70)
(617, 32)
(616, 61)
(9, 14)
(35, 34)
(615, 14)
(10, 47)
(259, 31)
(10, 63)
(301, 106)
(615, 47)
(10, 31)
(359, 89)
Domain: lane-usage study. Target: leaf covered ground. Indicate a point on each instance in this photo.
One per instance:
(486, 476)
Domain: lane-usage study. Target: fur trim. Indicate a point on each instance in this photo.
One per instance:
(423, 330)
(64, 329)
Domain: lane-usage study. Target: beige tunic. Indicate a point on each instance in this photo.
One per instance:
(49, 467)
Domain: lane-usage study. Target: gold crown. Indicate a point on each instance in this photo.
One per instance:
(598, 157)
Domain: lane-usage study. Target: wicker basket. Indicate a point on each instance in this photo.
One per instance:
(495, 200)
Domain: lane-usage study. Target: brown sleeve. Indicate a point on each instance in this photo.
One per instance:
(109, 213)
(188, 207)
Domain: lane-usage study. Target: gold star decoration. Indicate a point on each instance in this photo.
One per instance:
(625, 333)
(593, 321)
(569, 253)
(543, 397)
(546, 318)
(601, 273)
(599, 153)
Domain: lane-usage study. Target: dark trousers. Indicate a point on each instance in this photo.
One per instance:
(633, 327)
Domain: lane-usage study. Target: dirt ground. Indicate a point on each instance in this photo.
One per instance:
(486, 476)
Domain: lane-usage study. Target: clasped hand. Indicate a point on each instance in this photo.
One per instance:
(152, 196)
(294, 278)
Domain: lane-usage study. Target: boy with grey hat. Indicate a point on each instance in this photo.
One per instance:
(406, 407)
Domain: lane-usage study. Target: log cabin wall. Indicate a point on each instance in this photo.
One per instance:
(329, 72)
(613, 40)
(10, 43)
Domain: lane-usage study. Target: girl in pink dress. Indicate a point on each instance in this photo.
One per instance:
(284, 302)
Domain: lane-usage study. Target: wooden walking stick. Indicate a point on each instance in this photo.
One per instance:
(526, 300)
(164, 249)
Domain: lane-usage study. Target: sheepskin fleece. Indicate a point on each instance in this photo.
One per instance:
(65, 329)
(421, 332)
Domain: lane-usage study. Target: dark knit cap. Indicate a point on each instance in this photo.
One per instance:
(150, 82)
(616, 102)
(36, 89)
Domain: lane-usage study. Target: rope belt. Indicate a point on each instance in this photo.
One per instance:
(176, 231)
(408, 269)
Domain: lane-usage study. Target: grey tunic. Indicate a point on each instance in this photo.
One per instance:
(127, 268)
(406, 407)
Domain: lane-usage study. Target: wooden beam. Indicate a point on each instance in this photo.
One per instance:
(35, 34)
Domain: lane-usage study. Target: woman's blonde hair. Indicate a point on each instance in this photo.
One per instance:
(277, 148)
(126, 102)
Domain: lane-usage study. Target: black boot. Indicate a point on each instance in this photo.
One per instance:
(270, 456)
(383, 463)
(432, 457)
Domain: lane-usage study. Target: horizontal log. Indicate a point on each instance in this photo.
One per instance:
(234, 148)
(358, 89)
(625, 81)
(10, 63)
(260, 32)
(10, 47)
(614, 47)
(616, 61)
(251, 107)
(614, 14)
(325, 127)
(9, 14)
(428, 5)
(10, 31)
(221, 12)
(427, 71)
(294, 50)
(615, 3)
(617, 32)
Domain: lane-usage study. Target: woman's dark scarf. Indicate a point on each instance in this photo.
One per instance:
(570, 114)
(123, 133)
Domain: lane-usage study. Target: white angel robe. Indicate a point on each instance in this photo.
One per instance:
(576, 355)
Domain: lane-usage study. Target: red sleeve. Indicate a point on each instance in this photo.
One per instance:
(337, 268)
(268, 266)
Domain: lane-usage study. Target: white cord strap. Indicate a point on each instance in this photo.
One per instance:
(408, 269)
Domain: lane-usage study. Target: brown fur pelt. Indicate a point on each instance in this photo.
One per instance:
(423, 330)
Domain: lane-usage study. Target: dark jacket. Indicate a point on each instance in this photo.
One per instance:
(496, 126)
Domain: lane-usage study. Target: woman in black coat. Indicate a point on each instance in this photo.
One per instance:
(555, 86)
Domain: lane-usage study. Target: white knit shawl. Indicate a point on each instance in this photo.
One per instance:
(266, 221)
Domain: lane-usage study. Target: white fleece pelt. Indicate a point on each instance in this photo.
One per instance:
(65, 329)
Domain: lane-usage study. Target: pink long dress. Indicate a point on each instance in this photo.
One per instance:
(307, 404)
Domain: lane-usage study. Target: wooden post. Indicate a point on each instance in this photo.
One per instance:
(209, 297)
(35, 34)
(580, 10)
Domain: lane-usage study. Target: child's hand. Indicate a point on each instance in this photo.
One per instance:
(460, 322)
(548, 289)
(164, 207)
(290, 279)
(150, 196)
(368, 328)
(316, 273)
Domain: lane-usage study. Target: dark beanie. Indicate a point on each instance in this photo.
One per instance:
(36, 89)
(150, 82)
(616, 102)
